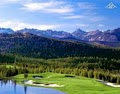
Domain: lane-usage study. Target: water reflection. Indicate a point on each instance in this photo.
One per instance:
(25, 89)
(14, 83)
(8, 83)
(10, 87)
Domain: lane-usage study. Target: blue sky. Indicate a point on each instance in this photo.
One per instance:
(66, 15)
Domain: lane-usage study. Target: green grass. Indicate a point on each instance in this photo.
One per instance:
(77, 85)
(9, 66)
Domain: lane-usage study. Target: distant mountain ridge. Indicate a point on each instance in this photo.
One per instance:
(104, 38)
(47, 33)
(6, 30)
(94, 36)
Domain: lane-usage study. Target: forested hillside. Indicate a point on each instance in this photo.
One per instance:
(39, 47)
(92, 67)
(28, 53)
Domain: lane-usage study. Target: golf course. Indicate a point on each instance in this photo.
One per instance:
(70, 84)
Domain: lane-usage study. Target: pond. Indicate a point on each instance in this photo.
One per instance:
(10, 87)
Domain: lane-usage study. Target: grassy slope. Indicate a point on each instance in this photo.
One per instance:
(78, 85)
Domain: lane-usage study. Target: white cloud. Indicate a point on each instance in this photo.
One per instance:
(13, 0)
(96, 18)
(5, 2)
(60, 10)
(21, 25)
(74, 17)
(100, 25)
(49, 7)
(86, 5)
(36, 6)
(82, 25)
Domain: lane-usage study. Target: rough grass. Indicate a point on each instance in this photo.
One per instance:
(76, 85)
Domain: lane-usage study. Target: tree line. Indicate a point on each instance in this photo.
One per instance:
(92, 67)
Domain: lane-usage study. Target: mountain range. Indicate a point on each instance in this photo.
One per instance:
(31, 45)
(97, 37)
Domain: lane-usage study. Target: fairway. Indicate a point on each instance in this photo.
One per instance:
(72, 85)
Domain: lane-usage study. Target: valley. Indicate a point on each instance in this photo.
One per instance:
(61, 62)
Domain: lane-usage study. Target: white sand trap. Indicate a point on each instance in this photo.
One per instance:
(49, 85)
(109, 84)
(30, 82)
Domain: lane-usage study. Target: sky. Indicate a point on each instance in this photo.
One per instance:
(61, 15)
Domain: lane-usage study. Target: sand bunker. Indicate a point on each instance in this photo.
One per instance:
(30, 82)
(109, 84)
